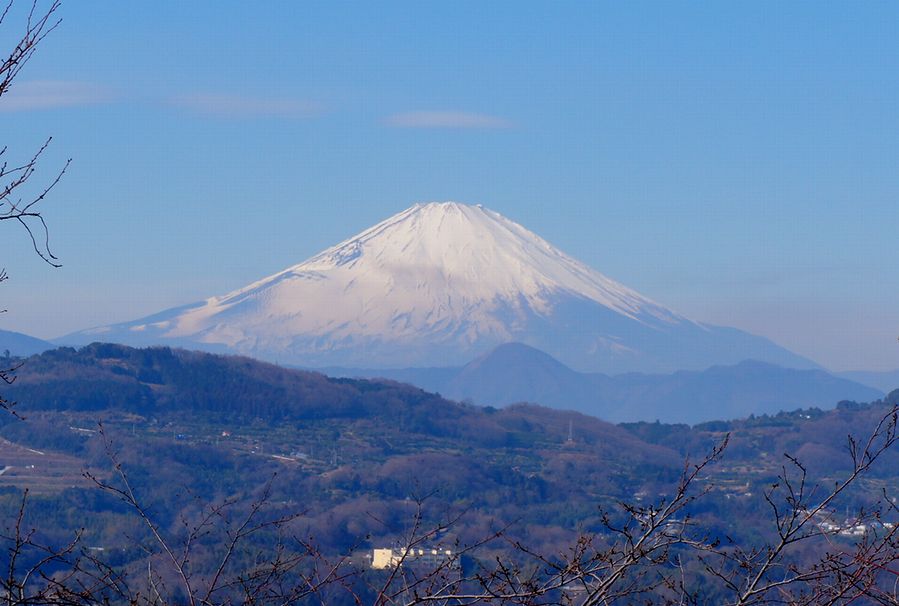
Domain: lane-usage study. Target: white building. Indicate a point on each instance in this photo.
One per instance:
(383, 558)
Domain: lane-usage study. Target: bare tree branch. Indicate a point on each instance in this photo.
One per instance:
(15, 203)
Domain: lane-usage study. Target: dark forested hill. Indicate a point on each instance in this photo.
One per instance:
(164, 383)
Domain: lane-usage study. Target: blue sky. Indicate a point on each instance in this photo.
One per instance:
(736, 162)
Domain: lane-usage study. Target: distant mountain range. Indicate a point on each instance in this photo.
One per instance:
(21, 345)
(437, 285)
(95, 377)
(515, 373)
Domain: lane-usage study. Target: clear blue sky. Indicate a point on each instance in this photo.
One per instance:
(737, 162)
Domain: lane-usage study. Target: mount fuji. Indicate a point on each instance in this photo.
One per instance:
(436, 285)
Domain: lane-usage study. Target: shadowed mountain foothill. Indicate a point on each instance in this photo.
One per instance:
(517, 373)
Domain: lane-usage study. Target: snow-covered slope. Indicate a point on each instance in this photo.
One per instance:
(435, 285)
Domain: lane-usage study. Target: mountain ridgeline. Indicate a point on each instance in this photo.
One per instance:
(515, 373)
(161, 381)
(154, 380)
(20, 345)
(437, 285)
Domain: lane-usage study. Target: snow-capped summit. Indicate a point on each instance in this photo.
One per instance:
(436, 285)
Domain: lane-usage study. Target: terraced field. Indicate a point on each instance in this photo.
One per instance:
(41, 472)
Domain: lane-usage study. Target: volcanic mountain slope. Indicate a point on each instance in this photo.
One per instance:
(436, 285)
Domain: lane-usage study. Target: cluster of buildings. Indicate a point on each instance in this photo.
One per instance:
(853, 528)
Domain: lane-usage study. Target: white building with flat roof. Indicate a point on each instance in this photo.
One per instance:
(384, 558)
